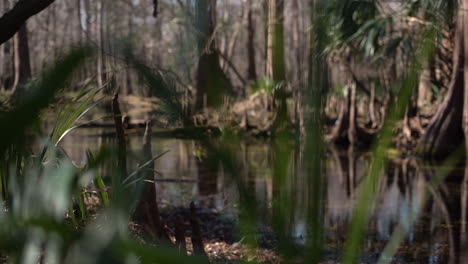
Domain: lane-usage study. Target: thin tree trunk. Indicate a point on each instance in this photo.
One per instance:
(352, 129)
(351, 172)
(298, 54)
(121, 141)
(318, 68)
(22, 60)
(2, 67)
(155, 8)
(424, 86)
(230, 46)
(275, 42)
(79, 35)
(275, 60)
(79, 30)
(2, 55)
(412, 121)
(464, 52)
(87, 31)
(128, 74)
(270, 31)
(252, 70)
(2, 52)
(279, 65)
(99, 32)
(106, 28)
(55, 30)
(340, 129)
(372, 112)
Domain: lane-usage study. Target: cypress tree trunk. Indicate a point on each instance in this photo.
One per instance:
(275, 59)
(276, 12)
(275, 41)
(448, 126)
(212, 83)
(147, 210)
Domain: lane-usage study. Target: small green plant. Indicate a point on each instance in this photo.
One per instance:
(267, 86)
(45, 215)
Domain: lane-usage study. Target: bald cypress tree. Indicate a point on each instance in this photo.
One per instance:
(449, 126)
(211, 82)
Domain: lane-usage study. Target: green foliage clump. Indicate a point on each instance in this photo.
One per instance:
(267, 86)
(44, 216)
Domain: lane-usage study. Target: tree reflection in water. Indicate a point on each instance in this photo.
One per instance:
(434, 217)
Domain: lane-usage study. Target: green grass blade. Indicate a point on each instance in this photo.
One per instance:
(367, 189)
(102, 190)
(42, 94)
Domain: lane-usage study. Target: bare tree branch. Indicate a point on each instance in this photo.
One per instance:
(231, 65)
(12, 21)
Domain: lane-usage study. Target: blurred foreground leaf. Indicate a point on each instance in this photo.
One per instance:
(42, 92)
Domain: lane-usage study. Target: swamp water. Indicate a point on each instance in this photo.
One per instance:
(438, 233)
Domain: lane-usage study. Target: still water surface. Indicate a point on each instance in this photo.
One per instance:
(438, 235)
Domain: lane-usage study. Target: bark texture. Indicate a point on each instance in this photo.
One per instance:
(445, 131)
